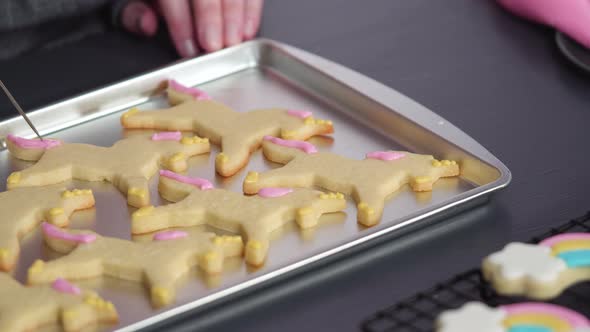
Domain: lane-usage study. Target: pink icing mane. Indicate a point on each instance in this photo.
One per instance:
(24, 143)
(197, 93)
(63, 286)
(575, 319)
(274, 192)
(56, 233)
(551, 241)
(169, 235)
(385, 155)
(300, 114)
(301, 145)
(167, 136)
(202, 184)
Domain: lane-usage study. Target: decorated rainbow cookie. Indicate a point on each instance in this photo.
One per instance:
(128, 164)
(368, 181)
(238, 133)
(540, 271)
(158, 264)
(520, 317)
(23, 209)
(199, 203)
(29, 308)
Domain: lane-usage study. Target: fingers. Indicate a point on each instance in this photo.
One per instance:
(139, 18)
(252, 16)
(180, 25)
(209, 26)
(233, 18)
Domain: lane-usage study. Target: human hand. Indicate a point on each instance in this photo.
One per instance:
(208, 24)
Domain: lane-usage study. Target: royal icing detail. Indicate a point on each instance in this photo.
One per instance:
(167, 136)
(58, 233)
(274, 192)
(301, 145)
(369, 182)
(25, 143)
(544, 263)
(196, 93)
(169, 235)
(202, 184)
(385, 155)
(300, 114)
(63, 286)
(157, 264)
(520, 317)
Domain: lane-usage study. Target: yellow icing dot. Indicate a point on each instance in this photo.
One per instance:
(324, 196)
(340, 195)
(309, 121)
(136, 192)
(14, 178)
(70, 314)
(422, 179)
(254, 244)
(4, 253)
(86, 192)
(436, 163)
(130, 112)
(446, 162)
(161, 294)
(304, 211)
(36, 267)
(221, 158)
(329, 123)
(110, 306)
(187, 140)
(364, 207)
(56, 212)
(288, 134)
(218, 241)
(252, 177)
(210, 256)
(453, 162)
(144, 211)
(177, 157)
(67, 194)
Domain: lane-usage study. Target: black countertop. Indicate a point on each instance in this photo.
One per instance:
(500, 79)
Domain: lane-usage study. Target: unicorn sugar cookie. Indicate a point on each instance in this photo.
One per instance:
(198, 203)
(368, 181)
(158, 264)
(540, 271)
(239, 134)
(128, 164)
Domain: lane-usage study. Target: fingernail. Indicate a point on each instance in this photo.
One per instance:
(189, 48)
(232, 34)
(249, 29)
(213, 36)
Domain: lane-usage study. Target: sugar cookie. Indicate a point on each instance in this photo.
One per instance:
(256, 216)
(128, 164)
(238, 133)
(522, 317)
(540, 271)
(159, 263)
(23, 209)
(368, 181)
(28, 308)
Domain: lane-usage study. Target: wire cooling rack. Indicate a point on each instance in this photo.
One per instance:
(419, 312)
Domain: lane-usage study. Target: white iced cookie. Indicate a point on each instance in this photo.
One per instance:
(238, 133)
(521, 317)
(128, 164)
(540, 271)
(63, 304)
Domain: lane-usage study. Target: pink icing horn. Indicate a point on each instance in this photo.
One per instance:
(202, 184)
(197, 93)
(300, 114)
(56, 233)
(169, 235)
(301, 145)
(385, 155)
(167, 136)
(274, 192)
(63, 286)
(571, 17)
(24, 143)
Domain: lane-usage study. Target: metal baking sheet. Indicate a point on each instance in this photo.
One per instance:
(367, 116)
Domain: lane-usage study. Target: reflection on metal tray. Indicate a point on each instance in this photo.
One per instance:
(419, 313)
(367, 116)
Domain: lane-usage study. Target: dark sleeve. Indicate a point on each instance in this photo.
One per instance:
(16, 14)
